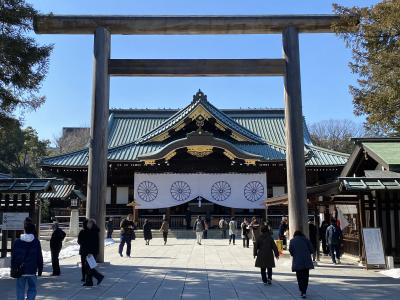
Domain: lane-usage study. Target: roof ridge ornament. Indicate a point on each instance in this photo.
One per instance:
(199, 96)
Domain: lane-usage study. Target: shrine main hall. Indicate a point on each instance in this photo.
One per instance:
(196, 160)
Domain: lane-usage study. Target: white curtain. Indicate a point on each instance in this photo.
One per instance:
(235, 190)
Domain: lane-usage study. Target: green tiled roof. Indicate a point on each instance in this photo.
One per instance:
(364, 183)
(131, 129)
(389, 152)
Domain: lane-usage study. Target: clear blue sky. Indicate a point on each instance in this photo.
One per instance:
(68, 86)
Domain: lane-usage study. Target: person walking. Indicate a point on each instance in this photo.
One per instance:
(301, 249)
(26, 262)
(282, 231)
(265, 249)
(110, 228)
(147, 231)
(91, 247)
(205, 231)
(312, 232)
(223, 225)
(198, 227)
(82, 241)
(232, 230)
(322, 237)
(254, 229)
(334, 239)
(164, 229)
(56, 240)
(127, 235)
(245, 233)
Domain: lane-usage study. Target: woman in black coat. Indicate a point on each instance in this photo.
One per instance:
(89, 246)
(265, 249)
(82, 241)
(56, 240)
(301, 249)
(147, 231)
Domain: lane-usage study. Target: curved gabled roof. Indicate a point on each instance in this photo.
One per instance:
(200, 99)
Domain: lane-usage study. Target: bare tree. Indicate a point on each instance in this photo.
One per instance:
(71, 139)
(336, 134)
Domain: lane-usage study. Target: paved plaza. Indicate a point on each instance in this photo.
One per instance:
(214, 270)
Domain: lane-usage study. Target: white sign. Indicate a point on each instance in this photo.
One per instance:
(373, 246)
(14, 221)
(235, 190)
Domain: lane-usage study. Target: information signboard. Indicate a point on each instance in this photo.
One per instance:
(373, 247)
(14, 220)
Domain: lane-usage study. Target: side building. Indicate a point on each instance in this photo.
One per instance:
(196, 160)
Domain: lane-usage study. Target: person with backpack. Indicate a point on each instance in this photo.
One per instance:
(334, 239)
(198, 227)
(26, 261)
(301, 249)
(56, 240)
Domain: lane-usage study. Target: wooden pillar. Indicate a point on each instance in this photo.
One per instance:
(97, 170)
(361, 218)
(4, 240)
(371, 211)
(388, 222)
(396, 221)
(295, 161)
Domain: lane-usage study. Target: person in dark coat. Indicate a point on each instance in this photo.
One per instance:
(27, 253)
(127, 235)
(312, 231)
(301, 249)
(147, 231)
(322, 237)
(265, 249)
(334, 239)
(110, 228)
(56, 240)
(82, 241)
(283, 228)
(245, 233)
(91, 247)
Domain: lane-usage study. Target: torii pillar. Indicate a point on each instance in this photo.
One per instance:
(97, 169)
(295, 164)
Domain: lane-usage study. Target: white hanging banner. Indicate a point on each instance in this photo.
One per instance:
(234, 190)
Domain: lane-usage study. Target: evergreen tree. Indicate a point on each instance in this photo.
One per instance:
(373, 34)
(23, 63)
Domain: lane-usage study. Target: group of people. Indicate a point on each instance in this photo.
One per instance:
(127, 233)
(27, 259)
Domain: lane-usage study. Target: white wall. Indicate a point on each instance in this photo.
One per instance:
(278, 190)
(108, 195)
(122, 195)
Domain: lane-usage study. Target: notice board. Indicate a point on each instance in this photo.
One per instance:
(373, 247)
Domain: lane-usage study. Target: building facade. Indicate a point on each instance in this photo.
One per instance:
(196, 160)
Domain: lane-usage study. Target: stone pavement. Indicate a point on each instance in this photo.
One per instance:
(214, 270)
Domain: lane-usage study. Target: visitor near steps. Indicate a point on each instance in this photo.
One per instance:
(26, 262)
(164, 229)
(232, 230)
(199, 227)
(127, 235)
(301, 250)
(265, 250)
(147, 235)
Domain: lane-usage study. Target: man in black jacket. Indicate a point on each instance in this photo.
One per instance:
(127, 235)
(55, 247)
(91, 247)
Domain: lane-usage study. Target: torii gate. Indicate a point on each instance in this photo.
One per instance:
(289, 66)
